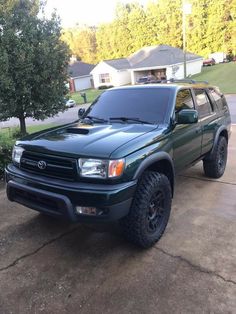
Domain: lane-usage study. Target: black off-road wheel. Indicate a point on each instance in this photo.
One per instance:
(214, 166)
(150, 210)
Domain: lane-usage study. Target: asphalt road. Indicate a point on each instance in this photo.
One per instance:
(72, 114)
(49, 266)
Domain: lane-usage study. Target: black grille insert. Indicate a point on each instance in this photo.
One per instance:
(49, 165)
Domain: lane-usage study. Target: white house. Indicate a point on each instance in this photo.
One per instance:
(163, 62)
(111, 72)
(159, 61)
(80, 77)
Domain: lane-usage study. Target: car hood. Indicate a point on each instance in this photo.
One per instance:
(77, 139)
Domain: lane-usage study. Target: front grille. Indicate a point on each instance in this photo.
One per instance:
(40, 200)
(55, 166)
(26, 197)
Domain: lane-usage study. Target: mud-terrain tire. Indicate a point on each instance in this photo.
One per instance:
(150, 210)
(214, 167)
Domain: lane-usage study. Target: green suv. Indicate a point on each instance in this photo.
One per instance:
(120, 159)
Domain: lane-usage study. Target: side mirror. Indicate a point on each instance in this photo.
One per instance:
(187, 116)
(81, 112)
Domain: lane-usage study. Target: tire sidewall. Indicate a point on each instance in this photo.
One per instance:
(135, 225)
(222, 143)
(162, 186)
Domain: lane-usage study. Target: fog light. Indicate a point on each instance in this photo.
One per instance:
(86, 210)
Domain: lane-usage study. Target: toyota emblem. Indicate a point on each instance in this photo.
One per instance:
(42, 165)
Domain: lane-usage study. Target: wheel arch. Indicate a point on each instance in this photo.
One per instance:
(160, 162)
(222, 131)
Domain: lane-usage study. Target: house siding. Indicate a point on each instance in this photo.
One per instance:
(118, 77)
(193, 67)
(122, 77)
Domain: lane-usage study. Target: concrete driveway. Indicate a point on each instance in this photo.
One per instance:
(231, 99)
(48, 266)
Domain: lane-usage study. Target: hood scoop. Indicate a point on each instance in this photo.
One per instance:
(77, 131)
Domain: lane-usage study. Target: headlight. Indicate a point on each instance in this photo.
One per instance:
(96, 168)
(17, 153)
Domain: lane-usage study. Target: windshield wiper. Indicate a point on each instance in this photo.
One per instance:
(124, 119)
(95, 119)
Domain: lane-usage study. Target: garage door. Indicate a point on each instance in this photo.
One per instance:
(82, 83)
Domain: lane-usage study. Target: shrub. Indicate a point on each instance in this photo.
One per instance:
(6, 145)
(105, 86)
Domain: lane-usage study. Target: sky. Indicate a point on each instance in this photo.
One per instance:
(90, 12)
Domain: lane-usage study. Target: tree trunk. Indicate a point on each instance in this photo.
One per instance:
(22, 125)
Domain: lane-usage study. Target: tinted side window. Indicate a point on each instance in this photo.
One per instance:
(203, 104)
(184, 100)
(218, 99)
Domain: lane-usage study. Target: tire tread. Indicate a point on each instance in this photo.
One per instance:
(133, 224)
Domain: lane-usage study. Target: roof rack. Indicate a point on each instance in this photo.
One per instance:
(189, 81)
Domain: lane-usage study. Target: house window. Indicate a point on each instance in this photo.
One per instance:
(104, 78)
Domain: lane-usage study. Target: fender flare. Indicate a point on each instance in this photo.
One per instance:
(217, 135)
(153, 159)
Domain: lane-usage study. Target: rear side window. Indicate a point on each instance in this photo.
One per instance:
(218, 99)
(184, 100)
(203, 104)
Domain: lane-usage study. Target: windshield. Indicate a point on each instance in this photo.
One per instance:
(144, 104)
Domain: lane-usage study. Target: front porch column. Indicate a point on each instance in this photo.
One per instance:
(132, 78)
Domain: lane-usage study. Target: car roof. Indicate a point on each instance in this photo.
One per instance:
(173, 86)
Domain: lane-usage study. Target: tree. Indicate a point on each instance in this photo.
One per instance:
(164, 22)
(221, 25)
(33, 62)
(82, 42)
(210, 27)
(114, 39)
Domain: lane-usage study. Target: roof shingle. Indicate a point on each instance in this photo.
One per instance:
(151, 57)
(158, 56)
(80, 68)
(119, 64)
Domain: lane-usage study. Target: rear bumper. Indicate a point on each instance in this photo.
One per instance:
(59, 198)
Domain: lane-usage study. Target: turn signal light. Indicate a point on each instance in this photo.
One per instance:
(115, 168)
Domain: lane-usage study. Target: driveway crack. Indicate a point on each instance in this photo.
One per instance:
(18, 259)
(196, 267)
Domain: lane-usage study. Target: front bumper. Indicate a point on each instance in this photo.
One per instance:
(59, 198)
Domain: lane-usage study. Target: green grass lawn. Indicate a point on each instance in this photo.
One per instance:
(222, 75)
(9, 132)
(36, 128)
(91, 94)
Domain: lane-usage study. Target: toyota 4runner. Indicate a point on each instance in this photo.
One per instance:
(120, 159)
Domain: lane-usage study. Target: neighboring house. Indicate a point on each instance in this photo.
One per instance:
(160, 61)
(111, 73)
(163, 62)
(80, 77)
